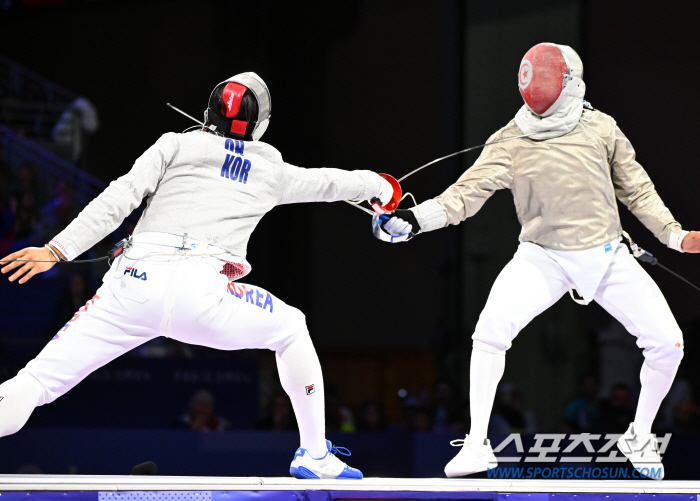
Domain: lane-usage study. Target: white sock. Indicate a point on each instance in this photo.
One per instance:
(485, 371)
(299, 368)
(655, 386)
(18, 398)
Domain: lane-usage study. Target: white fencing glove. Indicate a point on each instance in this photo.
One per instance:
(397, 226)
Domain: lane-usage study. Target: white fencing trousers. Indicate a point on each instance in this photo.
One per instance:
(186, 298)
(18, 398)
(532, 281)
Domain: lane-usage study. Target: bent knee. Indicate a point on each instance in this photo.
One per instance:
(490, 345)
(294, 328)
(297, 321)
(667, 354)
(494, 334)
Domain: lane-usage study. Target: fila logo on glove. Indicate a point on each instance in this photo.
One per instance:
(235, 167)
(1, 398)
(135, 273)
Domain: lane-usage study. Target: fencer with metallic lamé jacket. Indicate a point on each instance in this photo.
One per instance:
(564, 188)
(213, 188)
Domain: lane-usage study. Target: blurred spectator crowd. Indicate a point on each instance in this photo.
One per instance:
(441, 411)
(32, 212)
(613, 413)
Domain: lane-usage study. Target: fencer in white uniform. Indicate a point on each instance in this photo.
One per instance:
(206, 191)
(565, 178)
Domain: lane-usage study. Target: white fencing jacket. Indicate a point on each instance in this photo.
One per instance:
(213, 188)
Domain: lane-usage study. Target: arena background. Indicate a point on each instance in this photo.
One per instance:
(380, 85)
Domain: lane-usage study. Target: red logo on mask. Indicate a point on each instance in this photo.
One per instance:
(231, 97)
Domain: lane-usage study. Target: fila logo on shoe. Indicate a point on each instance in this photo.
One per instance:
(1, 398)
(310, 389)
(135, 273)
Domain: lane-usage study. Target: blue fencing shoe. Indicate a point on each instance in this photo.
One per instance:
(329, 466)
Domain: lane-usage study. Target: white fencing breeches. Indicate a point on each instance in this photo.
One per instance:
(187, 299)
(532, 282)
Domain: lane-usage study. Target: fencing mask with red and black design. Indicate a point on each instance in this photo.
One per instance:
(545, 72)
(239, 107)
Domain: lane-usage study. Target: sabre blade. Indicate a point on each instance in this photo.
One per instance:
(188, 116)
(370, 212)
(459, 153)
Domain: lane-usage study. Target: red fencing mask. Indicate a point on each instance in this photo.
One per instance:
(545, 71)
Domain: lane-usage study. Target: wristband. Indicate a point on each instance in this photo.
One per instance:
(52, 252)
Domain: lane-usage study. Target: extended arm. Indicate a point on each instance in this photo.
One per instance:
(102, 216)
(331, 185)
(634, 188)
(106, 212)
(492, 171)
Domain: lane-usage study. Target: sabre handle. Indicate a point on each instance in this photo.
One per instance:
(383, 235)
(405, 215)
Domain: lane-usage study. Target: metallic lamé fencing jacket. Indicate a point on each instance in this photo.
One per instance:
(564, 188)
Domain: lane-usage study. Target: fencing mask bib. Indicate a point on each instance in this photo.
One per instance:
(545, 71)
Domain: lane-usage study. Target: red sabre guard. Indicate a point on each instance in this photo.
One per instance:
(395, 198)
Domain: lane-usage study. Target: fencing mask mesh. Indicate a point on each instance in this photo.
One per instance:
(544, 72)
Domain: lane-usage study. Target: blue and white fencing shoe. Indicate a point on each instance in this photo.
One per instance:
(329, 466)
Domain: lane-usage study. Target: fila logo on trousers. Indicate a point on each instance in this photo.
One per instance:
(135, 273)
